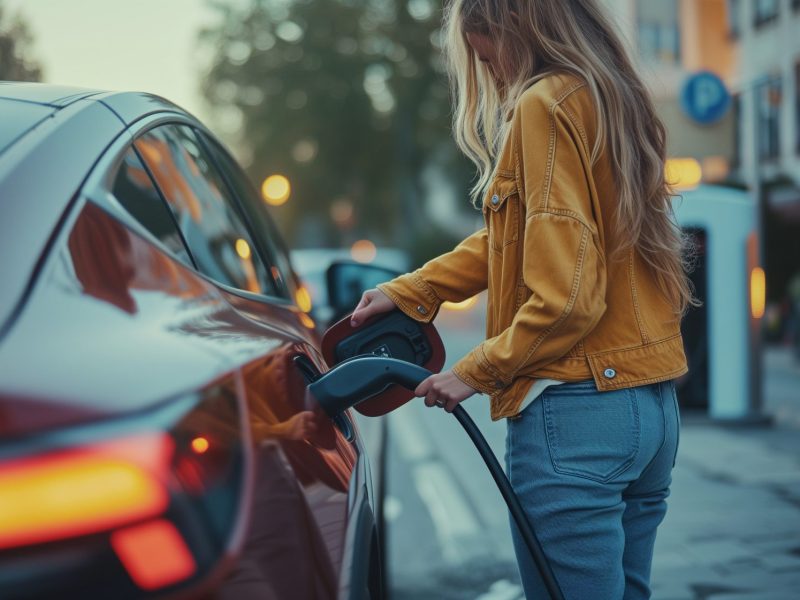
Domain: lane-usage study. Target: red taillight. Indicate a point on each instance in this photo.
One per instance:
(83, 490)
(154, 554)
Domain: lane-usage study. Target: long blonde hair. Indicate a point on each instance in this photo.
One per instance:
(573, 36)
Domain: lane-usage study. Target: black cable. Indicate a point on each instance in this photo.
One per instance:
(362, 377)
(521, 519)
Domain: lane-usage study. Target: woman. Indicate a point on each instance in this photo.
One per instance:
(586, 284)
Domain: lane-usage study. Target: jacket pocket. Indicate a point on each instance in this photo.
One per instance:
(501, 211)
(591, 434)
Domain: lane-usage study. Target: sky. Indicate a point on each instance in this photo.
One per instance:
(147, 45)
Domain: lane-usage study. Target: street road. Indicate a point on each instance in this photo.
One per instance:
(448, 534)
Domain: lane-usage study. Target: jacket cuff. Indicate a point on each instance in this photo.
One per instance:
(474, 370)
(412, 295)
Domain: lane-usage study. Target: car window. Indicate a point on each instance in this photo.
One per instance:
(205, 212)
(135, 191)
(264, 227)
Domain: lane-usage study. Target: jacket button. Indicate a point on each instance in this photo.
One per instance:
(498, 384)
(422, 310)
(495, 199)
(610, 373)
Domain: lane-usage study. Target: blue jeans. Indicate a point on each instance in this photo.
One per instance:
(592, 470)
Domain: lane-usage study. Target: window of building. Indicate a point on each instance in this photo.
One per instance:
(765, 11)
(205, 212)
(797, 104)
(135, 191)
(734, 17)
(736, 109)
(796, 4)
(659, 33)
(768, 98)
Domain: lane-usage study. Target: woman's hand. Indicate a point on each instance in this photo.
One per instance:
(372, 302)
(444, 389)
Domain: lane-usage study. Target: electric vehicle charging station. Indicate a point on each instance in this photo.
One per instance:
(722, 338)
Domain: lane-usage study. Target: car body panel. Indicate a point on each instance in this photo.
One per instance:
(104, 329)
(104, 278)
(33, 202)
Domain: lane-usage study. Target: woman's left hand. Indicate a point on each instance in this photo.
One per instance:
(444, 389)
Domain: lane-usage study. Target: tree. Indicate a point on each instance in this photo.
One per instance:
(347, 98)
(16, 42)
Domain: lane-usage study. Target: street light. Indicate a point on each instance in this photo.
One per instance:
(275, 190)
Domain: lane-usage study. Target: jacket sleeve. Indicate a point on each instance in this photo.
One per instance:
(563, 264)
(453, 276)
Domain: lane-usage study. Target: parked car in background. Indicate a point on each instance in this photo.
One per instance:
(156, 437)
(312, 266)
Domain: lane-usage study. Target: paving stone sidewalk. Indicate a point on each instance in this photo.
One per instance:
(732, 530)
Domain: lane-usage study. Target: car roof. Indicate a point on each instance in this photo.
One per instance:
(25, 104)
(19, 118)
(127, 105)
(60, 131)
(57, 96)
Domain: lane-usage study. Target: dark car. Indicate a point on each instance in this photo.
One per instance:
(156, 435)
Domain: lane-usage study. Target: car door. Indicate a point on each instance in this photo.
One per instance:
(312, 531)
(365, 574)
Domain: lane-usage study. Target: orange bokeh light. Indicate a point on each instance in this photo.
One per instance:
(200, 445)
(242, 248)
(275, 190)
(463, 305)
(758, 292)
(363, 251)
(683, 173)
(307, 321)
(303, 298)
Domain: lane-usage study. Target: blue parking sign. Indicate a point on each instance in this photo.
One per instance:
(704, 98)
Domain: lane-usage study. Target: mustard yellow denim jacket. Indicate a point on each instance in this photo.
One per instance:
(556, 306)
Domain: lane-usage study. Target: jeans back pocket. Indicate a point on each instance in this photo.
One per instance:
(591, 434)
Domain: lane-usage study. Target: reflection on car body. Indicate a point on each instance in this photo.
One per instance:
(149, 339)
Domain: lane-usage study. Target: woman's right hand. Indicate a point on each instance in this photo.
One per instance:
(372, 302)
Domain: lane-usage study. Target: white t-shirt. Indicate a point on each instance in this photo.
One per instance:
(537, 388)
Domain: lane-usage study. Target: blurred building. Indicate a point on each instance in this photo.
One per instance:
(767, 88)
(725, 75)
(766, 104)
(673, 40)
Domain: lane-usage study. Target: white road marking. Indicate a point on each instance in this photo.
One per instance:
(414, 445)
(456, 526)
(503, 590)
(392, 508)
